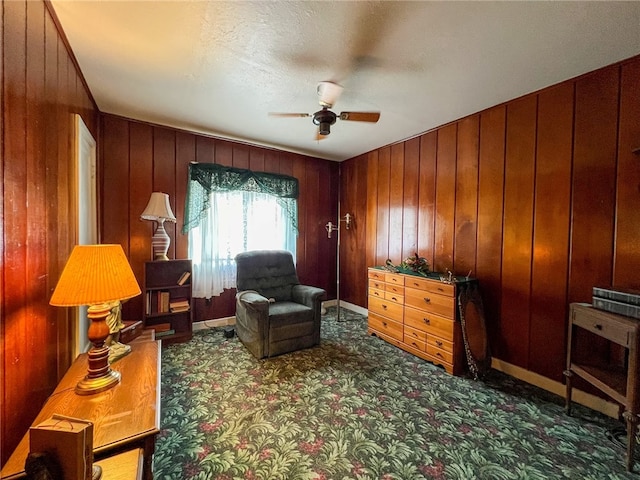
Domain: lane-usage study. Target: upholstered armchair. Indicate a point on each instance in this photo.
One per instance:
(274, 313)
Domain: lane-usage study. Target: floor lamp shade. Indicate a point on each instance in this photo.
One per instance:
(96, 275)
(159, 210)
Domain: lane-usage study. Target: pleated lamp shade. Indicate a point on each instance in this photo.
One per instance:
(158, 208)
(95, 274)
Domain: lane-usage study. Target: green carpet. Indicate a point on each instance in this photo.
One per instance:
(358, 408)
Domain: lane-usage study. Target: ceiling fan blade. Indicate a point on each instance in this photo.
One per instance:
(328, 93)
(296, 115)
(372, 117)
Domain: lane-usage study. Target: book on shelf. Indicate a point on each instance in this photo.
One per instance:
(183, 278)
(179, 305)
(163, 302)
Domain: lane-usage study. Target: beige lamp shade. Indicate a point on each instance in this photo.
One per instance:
(158, 208)
(95, 274)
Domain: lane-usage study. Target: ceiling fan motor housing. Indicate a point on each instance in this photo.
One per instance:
(324, 119)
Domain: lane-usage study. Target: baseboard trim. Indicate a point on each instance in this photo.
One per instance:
(583, 398)
(217, 322)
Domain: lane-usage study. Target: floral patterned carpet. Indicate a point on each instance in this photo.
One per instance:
(358, 408)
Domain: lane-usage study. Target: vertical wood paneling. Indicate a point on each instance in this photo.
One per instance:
(518, 227)
(36, 197)
(164, 176)
(185, 153)
(594, 183)
(396, 197)
(427, 196)
(303, 201)
(141, 148)
(371, 246)
(466, 196)
(18, 326)
(382, 221)
(490, 211)
(551, 230)
(240, 156)
(115, 205)
(272, 161)
(40, 94)
(205, 150)
(224, 153)
(411, 199)
(627, 246)
(256, 159)
(445, 198)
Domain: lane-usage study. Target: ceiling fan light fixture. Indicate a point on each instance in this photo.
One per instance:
(324, 128)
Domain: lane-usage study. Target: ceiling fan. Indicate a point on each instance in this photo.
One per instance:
(324, 118)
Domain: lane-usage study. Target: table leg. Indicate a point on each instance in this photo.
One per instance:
(149, 450)
(567, 402)
(632, 425)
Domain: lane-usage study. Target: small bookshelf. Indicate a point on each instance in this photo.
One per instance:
(167, 299)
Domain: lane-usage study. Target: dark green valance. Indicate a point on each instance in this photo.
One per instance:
(205, 178)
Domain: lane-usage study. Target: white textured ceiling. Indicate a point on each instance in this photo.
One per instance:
(219, 67)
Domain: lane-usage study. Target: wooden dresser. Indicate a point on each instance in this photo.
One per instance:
(418, 315)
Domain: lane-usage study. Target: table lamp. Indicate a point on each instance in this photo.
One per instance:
(159, 210)
(96, 275)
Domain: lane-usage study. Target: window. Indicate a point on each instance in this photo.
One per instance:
(234, 210)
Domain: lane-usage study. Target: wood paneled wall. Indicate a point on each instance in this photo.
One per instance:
(538, 198)
(41, 90)
(139, 158)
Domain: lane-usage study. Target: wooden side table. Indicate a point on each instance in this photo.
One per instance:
(124, 417)
(621, 384)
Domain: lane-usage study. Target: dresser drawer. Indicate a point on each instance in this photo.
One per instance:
(377, 284)
(376, 274)
(386, 308)
(440, 343)
(440, 354)
(385, 325)
(414, 334)
(394, 278)
(429, 323)
(390, 287)
(432, 286)
(394, 297)
(614, 329)
(374, 292)
(430, 302)
(415, 343)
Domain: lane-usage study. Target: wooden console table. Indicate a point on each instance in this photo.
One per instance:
(124, 417)
(621, 384)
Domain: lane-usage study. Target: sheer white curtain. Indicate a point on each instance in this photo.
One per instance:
(236, 222)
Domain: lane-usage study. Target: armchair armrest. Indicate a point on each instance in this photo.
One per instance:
(307, 295)
(252, 300)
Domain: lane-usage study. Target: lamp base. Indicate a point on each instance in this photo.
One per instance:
(90, 386)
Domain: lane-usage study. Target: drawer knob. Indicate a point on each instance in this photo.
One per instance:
(428, 300)
(415, 284)
(441, 289)
(385, 324)
(598, 326)
(438, 343)
(394, 299)
(384, 306)
(427, 321)
(439, 354)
